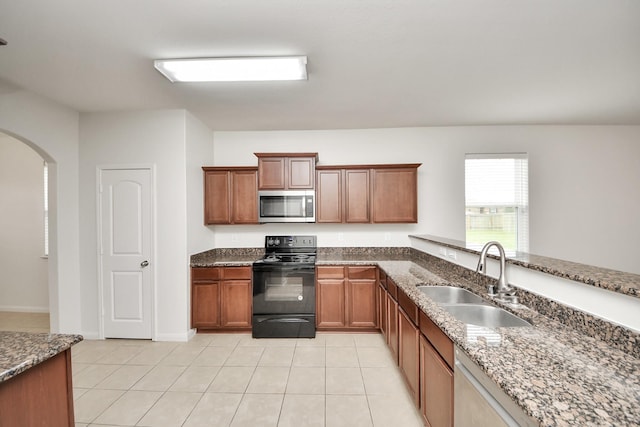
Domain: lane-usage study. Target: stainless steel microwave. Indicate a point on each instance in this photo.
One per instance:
(287, 206)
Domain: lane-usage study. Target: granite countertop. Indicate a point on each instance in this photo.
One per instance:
(226, 257)
(559, 377)
(20, 351)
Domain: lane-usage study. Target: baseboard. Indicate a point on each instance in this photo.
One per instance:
(181, 337)
(91, 335)
(23, 309)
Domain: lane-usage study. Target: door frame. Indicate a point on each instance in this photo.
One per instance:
(152, 256)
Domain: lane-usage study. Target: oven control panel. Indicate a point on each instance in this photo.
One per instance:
(275, 242)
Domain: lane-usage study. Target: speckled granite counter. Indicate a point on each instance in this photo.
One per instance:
(558, 376)
(226, 257)
(20, 351)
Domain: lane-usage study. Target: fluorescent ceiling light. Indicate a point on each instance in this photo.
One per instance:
(233, 69)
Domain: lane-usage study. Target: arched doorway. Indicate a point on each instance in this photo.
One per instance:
(24, 262)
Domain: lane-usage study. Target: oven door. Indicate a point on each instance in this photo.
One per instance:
(284, 289)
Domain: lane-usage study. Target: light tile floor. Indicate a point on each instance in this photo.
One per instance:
(218, 380)
(235, 380)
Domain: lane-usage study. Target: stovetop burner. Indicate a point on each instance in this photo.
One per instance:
(289, 249)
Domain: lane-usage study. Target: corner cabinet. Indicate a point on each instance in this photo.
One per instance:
(230, 195)
(367, 193)
(286, 171)
(221, 298)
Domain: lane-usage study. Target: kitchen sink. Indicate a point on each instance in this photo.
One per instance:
(450, 295)
(484, 315)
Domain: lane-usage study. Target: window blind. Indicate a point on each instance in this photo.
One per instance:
(497, 199)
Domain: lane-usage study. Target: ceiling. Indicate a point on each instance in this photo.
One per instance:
(371, 63)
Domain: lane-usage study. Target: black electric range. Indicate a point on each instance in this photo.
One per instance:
(284, 295)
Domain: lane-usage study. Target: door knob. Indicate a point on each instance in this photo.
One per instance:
(144, 263)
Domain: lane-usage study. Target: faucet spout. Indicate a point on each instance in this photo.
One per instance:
(503, 289)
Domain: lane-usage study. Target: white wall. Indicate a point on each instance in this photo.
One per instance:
(199, 152)
(583, 184)
(23, 283)
(133, 138)
(52, 130)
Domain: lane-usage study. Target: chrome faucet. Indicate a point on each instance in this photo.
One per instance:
(503, 292)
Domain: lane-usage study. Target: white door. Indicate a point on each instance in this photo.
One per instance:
(125, 224)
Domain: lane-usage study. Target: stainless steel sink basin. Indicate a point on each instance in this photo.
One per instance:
(450, 295)
(484, 315)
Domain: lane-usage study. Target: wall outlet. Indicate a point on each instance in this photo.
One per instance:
(387, 236)
(443, 252)
(340, 237)
(452, 255)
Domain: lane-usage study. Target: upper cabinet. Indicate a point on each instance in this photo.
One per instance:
(394, 194)
(367, 193)
(286, 171)
(230, 195)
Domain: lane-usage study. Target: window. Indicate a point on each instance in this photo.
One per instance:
(497, 200)
(46, 209)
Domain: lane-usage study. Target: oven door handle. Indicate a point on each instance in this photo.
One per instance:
(284, 320)
(277, 268)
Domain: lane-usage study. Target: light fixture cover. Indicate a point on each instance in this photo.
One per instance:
(241, 69)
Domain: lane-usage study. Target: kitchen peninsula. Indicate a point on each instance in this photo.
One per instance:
(35, 379)
(555, 373)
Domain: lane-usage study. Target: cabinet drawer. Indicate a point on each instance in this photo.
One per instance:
(365, 272)
(392, 288)
(236, 272)
(408, 306)
(205, 273)
(329, 272)
(438, 339)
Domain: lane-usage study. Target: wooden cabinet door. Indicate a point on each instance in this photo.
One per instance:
(392, 336)
(409, 353)
(271, 173)
(395, 197)
(236, 298)
(300, 173)
(217, 197)
(356, 195)
(383, 314)
(329, 196)
(245, 197)
(361, 297)
(362, 304)
(330, 303)
(436, 387)
(205, 305)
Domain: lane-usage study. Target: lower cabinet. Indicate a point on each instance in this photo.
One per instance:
(436, 374)
(40, 396)
(221, 298)
(409, 344)
(422, 351)
(346, 298)
(392, 317)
